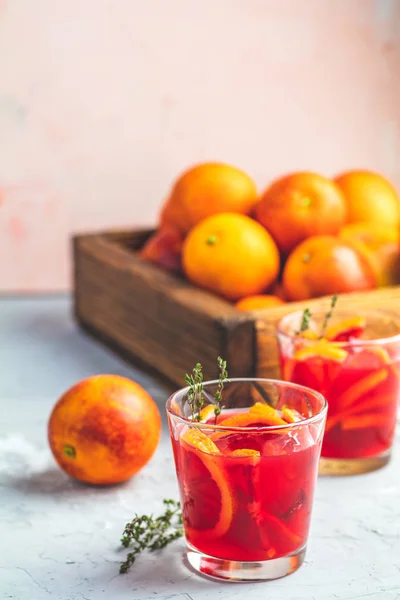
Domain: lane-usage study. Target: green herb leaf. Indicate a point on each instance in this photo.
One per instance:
(328, 316)
(146, 532)
(223, 377)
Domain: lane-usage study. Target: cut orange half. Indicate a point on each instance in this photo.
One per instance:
(208, 504)
(321, 349)
(349, 328)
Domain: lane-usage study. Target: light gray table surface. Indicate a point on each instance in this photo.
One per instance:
(60, 539)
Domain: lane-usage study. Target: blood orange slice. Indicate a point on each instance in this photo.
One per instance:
(291, 415)
(322, 349)
(207, 413)
(344, 331)
(208, 505)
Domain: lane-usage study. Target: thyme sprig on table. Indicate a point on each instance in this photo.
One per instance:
(195, 395)
(151, 533)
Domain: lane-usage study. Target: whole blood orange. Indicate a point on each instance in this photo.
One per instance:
(104, 429)
(231, 255)
(207, 189)
(259, 301)
(324, 265)
(300, 205)
(369, 197)
(164, 249)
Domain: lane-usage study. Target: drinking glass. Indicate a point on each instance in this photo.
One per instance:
(359, 375)
(247, 477)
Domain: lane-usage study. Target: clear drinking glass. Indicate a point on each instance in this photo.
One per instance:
(359, 375)
(247, 478)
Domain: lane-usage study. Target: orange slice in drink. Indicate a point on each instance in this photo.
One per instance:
(291, 415)
(244, 452)
(207, 413)
(200, 440)
(208, 505)
(258, 415)
(364, 421)
(363, 386)
(322, 349)
(266, 411)
(349, 328)
(308, 334)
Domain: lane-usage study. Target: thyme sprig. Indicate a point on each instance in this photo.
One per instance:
(328, 316)
(223, 377)
(195, 397)
(305, 321)
(307, 314)
(195, 392)
(147, 532)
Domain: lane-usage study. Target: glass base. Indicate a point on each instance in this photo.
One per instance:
(240, 571)
(352, 466)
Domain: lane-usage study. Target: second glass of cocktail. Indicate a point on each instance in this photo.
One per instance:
(247, 475)
(353, 359)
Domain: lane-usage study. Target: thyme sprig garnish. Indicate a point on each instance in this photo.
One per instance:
(223, 377)
(328, 316)
(147, 532)
(307, 315)
(195, 392)
(195, 397)
(305, 321)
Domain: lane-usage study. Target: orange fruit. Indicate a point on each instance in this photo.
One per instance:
(325, 265)
(207, 189)
(380, 244)
(231, 255)
(300, 205)
(164, 248)
(206, 490)
(104, 429)
(257, 302)
(369, 197)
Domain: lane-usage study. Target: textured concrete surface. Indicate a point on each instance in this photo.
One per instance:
(59, 539)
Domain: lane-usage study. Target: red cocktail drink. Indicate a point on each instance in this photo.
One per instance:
(247, 481)
(356, 366)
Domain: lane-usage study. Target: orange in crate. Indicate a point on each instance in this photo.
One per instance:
(232, 255)
(205, 190)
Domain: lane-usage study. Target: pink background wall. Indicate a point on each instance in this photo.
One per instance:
(103, 102)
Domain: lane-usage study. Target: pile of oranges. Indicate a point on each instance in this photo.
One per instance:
(303, 237)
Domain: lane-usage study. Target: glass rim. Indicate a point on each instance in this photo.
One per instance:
(252, 429)
(353, 343)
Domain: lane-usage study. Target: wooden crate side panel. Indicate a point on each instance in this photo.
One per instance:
(387, 299)
(152, 315)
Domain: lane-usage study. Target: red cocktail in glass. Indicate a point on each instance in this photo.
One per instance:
(247, 480)
(356, 366)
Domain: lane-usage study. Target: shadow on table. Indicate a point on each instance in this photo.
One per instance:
(54, 482)
(161, 572)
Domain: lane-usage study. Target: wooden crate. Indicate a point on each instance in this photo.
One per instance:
(149, 314)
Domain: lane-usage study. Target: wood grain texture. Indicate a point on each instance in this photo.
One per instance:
(153, 315)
